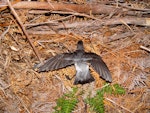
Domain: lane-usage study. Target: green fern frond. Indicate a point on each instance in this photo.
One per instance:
(96, 103)
(67, 102)
(115, 89)
(118, 90)
(107, 89)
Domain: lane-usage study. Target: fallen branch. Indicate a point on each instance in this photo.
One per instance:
(80, 8)
(89, 8)
(23, 29)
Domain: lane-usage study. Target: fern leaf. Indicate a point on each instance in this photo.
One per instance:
(118, 90)
(96, 103)
(67, 102)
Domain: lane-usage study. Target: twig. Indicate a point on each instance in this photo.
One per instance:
(23, 29)
(3, 91)
(62, 83)
(3, 34)
(43, 32)
(120, 36)
(50, 4)
(76, 14)
(134, 21)
(145, 48)
(21, 101)
(52, 23)
(39, 11)
(127, 25)
(118, 105)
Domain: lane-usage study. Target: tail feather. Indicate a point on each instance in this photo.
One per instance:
(79, 79)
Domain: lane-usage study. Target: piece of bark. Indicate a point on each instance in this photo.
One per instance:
(80, 8)
(89, 8)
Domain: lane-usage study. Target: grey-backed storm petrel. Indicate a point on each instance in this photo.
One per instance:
(81, 60)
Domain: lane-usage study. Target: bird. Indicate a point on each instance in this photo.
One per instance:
(82, 61)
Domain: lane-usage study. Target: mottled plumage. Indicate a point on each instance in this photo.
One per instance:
(82, 60)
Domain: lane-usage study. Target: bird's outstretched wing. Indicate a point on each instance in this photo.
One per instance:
(57, 62)
(98, 65)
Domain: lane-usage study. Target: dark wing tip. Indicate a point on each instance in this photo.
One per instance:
(42, 69)
(37, 67)
(109, 80)
(107, 77)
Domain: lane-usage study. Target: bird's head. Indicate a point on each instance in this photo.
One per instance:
(80, 45)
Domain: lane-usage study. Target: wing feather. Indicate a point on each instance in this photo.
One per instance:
(98, 65)
(57, 62)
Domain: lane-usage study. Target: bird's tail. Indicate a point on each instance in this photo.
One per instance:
(79, 79)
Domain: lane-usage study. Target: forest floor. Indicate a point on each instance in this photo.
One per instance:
(30, 32)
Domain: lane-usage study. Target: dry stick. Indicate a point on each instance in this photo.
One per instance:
(118, 105)
(145, 48)
(52, 23)
(76, 14)
(80, 8)
(120, 36)
(43, 32)
(127, 26)
(4, 33)
(34, 11)
(129, 20)
(23, 29)
(95, 8)
(3, 90)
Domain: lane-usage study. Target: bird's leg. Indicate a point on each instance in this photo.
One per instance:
(69, 77)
